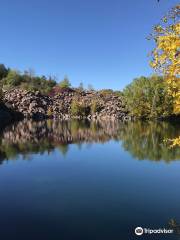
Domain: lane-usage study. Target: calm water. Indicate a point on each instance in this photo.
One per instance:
(87, 180)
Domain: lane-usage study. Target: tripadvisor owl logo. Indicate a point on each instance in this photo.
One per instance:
(139, 231)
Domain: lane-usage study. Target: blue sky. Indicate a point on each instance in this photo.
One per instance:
(98, 42)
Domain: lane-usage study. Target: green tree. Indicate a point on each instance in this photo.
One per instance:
(3, 71)
(1, 92)
(65, 83)
(147, 97)
(12, 79)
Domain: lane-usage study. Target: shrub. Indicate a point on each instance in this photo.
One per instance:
(50, 112)
(95, 107)
(105, 92)
(65, 83)
(118, 93)
(79, 109)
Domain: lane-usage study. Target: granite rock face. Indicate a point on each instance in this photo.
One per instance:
(95, 105)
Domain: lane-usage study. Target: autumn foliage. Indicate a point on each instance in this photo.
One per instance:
(166, 54)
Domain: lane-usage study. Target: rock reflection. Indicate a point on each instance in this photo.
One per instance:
(143, 140)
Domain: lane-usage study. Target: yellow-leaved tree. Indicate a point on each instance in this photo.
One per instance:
(166, 56)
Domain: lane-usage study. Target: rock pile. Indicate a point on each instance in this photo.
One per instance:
(92, 104)
(30, 104)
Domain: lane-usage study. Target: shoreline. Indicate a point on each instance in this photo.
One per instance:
(18, 104)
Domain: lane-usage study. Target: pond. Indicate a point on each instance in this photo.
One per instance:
(88, 180)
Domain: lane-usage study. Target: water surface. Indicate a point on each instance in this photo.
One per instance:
(87, 180)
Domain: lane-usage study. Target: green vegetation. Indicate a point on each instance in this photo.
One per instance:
(65, 83)
(145, 140)
(106, 92)
(3, 74)
(147, 97)
(3, 71)
(1, 93)
(95, 107)
(79, 109)
(12, 78)
(50, 112)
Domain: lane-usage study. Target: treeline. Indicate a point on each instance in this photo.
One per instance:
(10, 78)
(27, 80)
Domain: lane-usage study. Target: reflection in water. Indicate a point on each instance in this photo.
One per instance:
(143, 140)
(146, 140)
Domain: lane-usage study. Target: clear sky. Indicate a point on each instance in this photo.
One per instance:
(98, 42)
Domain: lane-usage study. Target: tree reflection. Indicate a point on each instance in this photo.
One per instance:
(143, 140)
(146, 140)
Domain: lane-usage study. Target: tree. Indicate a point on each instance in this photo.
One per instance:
(81, 86)
(65, 83)
(3, 71)
(12, 79)
(166, 54)
(1, 92)
(147, 97)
